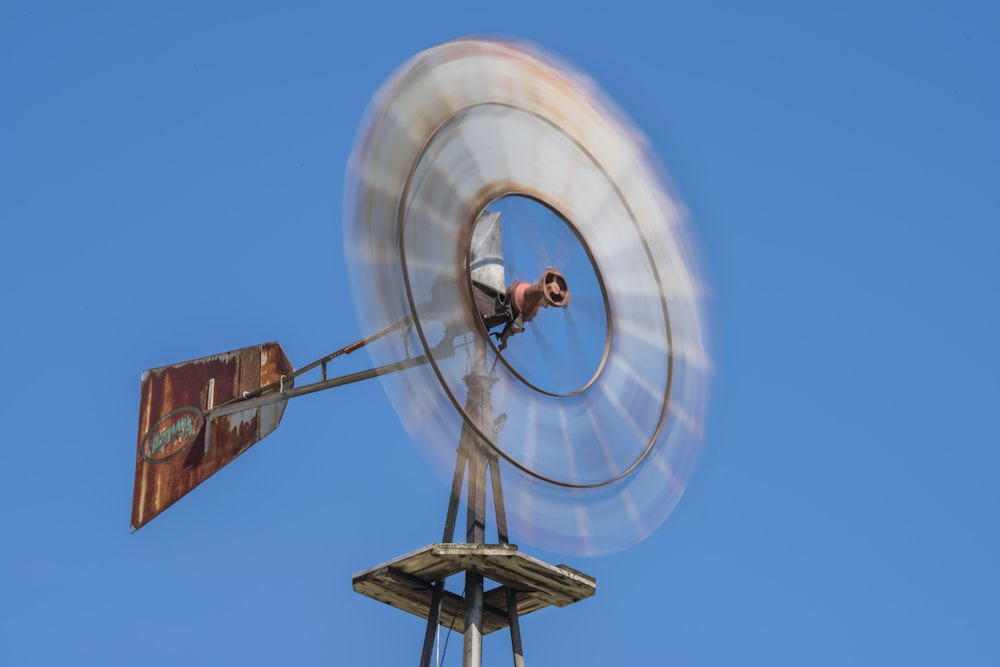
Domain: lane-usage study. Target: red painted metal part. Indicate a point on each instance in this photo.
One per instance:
(178, 448)
(550, 290)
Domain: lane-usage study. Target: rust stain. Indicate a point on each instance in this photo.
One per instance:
(170, 398)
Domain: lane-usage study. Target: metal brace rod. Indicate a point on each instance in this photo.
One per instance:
(356, 345)
(255, 399)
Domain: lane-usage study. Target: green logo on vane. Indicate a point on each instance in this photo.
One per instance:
(172, 434)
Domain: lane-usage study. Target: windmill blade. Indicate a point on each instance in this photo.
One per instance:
(477, 125)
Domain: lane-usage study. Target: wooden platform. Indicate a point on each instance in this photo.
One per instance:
(405, 582)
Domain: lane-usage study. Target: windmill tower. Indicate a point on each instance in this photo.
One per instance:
(416, 581)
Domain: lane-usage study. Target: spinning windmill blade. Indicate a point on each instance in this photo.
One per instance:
(598, 464)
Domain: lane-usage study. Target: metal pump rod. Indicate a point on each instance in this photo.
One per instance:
(480, 409)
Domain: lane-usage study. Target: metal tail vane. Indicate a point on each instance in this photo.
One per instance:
(534, 299)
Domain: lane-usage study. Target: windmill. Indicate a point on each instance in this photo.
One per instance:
(537, 322)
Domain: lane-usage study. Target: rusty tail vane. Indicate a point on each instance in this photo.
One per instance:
(197, 416)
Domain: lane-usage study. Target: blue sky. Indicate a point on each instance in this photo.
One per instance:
(172, 187)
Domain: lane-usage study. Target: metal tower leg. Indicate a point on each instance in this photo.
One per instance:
(472, 655)
(511, 596)
(434, 617)
(480, 409)
(515, 629)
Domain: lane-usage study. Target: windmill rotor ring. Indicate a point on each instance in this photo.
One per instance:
(615, 429)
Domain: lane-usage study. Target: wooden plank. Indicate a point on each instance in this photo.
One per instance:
(526, 602)
(413, 595)
(421, 563)
(521, 572)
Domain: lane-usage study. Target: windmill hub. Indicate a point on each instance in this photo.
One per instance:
(550, 290)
